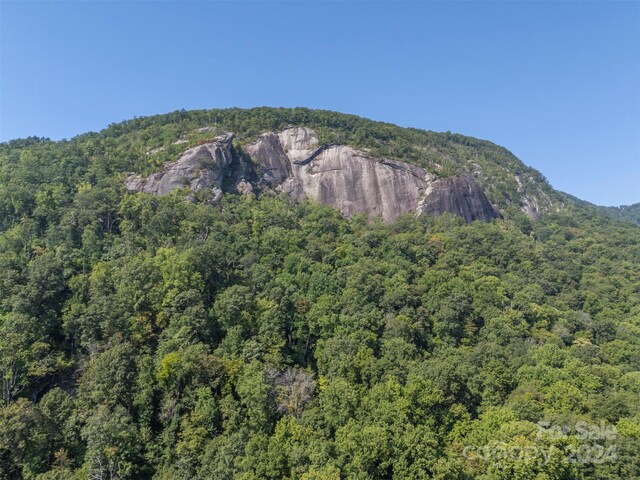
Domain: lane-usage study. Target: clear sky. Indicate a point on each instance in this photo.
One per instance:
(557, 83)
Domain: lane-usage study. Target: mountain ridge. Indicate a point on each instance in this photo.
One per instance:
(144, 145)
(443, 154)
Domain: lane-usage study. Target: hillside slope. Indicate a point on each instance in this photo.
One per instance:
(146, 145)
(162, 333)
(627, 213)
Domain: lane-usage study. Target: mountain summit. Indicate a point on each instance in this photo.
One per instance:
(356, 165)
(353, 164)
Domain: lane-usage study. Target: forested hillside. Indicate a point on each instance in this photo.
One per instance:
(163, 337)
(628, 213)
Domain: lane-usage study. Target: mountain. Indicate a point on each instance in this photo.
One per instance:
(301, 294)
(354, 164)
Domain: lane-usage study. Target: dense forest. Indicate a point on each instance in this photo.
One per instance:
(161, 337)
(629, 213)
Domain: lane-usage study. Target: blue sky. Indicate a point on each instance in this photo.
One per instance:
(557, 83)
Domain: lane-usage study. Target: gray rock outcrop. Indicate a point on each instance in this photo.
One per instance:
(199, 168)
(274, 161)
(293, 162)
(459, 195)
(355, 182)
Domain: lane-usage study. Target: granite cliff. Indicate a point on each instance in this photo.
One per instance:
(199, 168)
(294, 162)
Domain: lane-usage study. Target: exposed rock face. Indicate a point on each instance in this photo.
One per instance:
(461, 196)
(355, 182)
(529, 206)
(272, 158)
(199, 168)
(350, 180)
(297, 141)
(532, 199)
